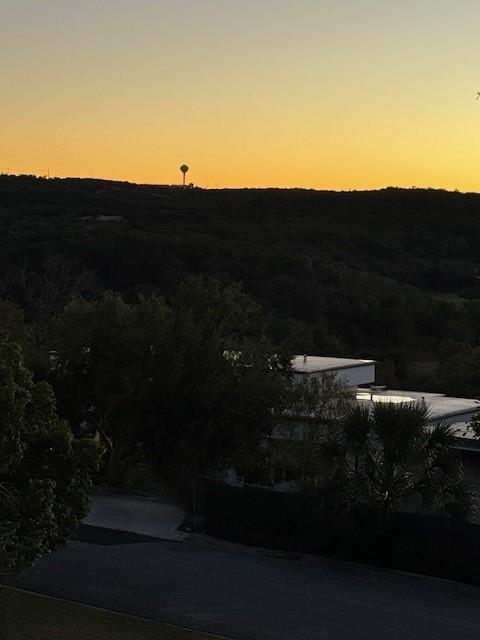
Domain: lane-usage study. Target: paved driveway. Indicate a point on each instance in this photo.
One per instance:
(139, 515)
(248, 595)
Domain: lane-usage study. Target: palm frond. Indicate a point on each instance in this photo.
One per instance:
(356, 425)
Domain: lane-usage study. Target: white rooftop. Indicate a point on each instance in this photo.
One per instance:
(356, 373)
(317, 364)
(440, 407)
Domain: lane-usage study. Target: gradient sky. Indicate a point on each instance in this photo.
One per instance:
(336, 94)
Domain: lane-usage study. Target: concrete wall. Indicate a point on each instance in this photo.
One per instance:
(349, 376)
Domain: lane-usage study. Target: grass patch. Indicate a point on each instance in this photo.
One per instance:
(30, 616)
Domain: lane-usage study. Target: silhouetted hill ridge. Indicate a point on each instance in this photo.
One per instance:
(388, 274)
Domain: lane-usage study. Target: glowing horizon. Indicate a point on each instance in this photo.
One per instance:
(345, 95)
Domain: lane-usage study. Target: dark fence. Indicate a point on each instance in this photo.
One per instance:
(432, 545)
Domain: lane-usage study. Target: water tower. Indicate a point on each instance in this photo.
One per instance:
(184, 170)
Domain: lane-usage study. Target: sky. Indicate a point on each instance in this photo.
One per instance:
(324, 94)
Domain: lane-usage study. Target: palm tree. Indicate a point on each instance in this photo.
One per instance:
(389, 458)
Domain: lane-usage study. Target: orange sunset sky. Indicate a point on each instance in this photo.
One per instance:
(344, 94)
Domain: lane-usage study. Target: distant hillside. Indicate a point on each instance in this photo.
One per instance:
(390, 274)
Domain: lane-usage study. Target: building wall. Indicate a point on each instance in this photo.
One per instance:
(351, 377)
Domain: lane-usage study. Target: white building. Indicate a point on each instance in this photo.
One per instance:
(359, 377)
(351, 373)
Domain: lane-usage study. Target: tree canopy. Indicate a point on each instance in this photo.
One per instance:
(186, 384)
(44, 471)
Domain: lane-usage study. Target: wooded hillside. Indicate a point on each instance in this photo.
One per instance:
(391, 274)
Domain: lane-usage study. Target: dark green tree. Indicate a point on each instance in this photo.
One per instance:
(221, 386)
(316, 406)
(187, 386)
(44, 471)
(102, 371)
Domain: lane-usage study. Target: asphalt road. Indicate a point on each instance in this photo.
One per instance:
(247, 595)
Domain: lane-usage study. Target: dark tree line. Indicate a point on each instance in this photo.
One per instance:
(390, 274)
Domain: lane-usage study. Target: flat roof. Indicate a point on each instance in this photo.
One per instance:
(439, 405)
(317, 364)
